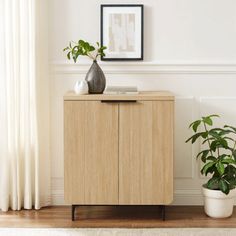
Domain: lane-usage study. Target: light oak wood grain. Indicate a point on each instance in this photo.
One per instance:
(146, 152)
(148, 96)
(91, 152)
(119, 153)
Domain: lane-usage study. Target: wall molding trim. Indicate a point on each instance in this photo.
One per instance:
(188, 197)
(63, 67)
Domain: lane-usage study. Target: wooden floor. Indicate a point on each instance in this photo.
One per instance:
(119, 217)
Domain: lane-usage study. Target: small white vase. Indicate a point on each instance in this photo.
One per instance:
(218, 204)
(81, 87)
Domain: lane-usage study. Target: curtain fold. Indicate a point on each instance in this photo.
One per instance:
(22, 167)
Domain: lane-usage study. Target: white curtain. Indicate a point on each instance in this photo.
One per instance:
(24, 170)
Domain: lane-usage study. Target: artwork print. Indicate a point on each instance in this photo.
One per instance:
(122, 31)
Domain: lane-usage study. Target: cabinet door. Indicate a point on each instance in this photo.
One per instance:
(146, 152)
(91, 152)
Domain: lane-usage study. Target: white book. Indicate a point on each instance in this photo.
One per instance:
(121, 90)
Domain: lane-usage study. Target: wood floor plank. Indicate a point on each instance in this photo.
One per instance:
(112, 216)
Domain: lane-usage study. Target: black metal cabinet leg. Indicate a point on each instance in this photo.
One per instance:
(73, 212)
(163, 212)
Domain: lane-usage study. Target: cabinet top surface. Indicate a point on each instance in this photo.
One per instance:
(147, 95)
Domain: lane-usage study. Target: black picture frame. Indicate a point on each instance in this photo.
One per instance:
(102, 7)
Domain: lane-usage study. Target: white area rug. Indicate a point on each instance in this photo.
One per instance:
(118, 232)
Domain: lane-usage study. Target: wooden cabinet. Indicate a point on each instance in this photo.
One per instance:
(91, 152)
(119, 149)
(145, 153)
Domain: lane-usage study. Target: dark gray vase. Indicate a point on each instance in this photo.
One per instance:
(96, 79)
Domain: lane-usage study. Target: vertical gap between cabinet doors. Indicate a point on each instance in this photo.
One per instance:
(118, 154)
(86, 104)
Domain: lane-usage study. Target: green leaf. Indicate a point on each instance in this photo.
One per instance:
(213, 145)
(223, 156)
(214, 115)
(228, 138)
(207, 120)
(212, 170)
(224, 132)
(213, 183)
(65, 49)
(86, 46)
(81, 42)
(208, 139)
(230, 172)
(204, 134)
(232, 183)
(214, 134)
(217, 129)
(74, 50)
(231, 127)
(224, 187)
(203, 153)
(228, 161)
(223, 143)
(194, 137)
(207, 166)
(91, 48)
(211, 158)
(195, 125)
(220, 167)
(234, 154)
(215, 173)
(68, 55)
(230, 176)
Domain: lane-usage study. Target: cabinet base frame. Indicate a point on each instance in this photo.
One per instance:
(73, 207)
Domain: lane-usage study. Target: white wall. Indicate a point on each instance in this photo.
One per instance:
(189, 49)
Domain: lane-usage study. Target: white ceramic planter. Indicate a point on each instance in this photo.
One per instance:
(218, 204)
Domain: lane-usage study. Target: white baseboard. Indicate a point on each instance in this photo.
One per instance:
(188, 197)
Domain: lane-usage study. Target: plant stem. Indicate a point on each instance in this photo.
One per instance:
(207, 138)
(90, 56)
(96, 56)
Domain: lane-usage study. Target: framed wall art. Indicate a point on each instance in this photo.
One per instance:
(122, 32)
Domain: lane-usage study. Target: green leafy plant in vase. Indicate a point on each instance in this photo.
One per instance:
(219, 161)
(95, 77)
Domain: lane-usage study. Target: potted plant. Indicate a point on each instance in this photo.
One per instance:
(95, 77)
(219, 159)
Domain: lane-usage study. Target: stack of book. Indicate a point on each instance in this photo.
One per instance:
(121, 90)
